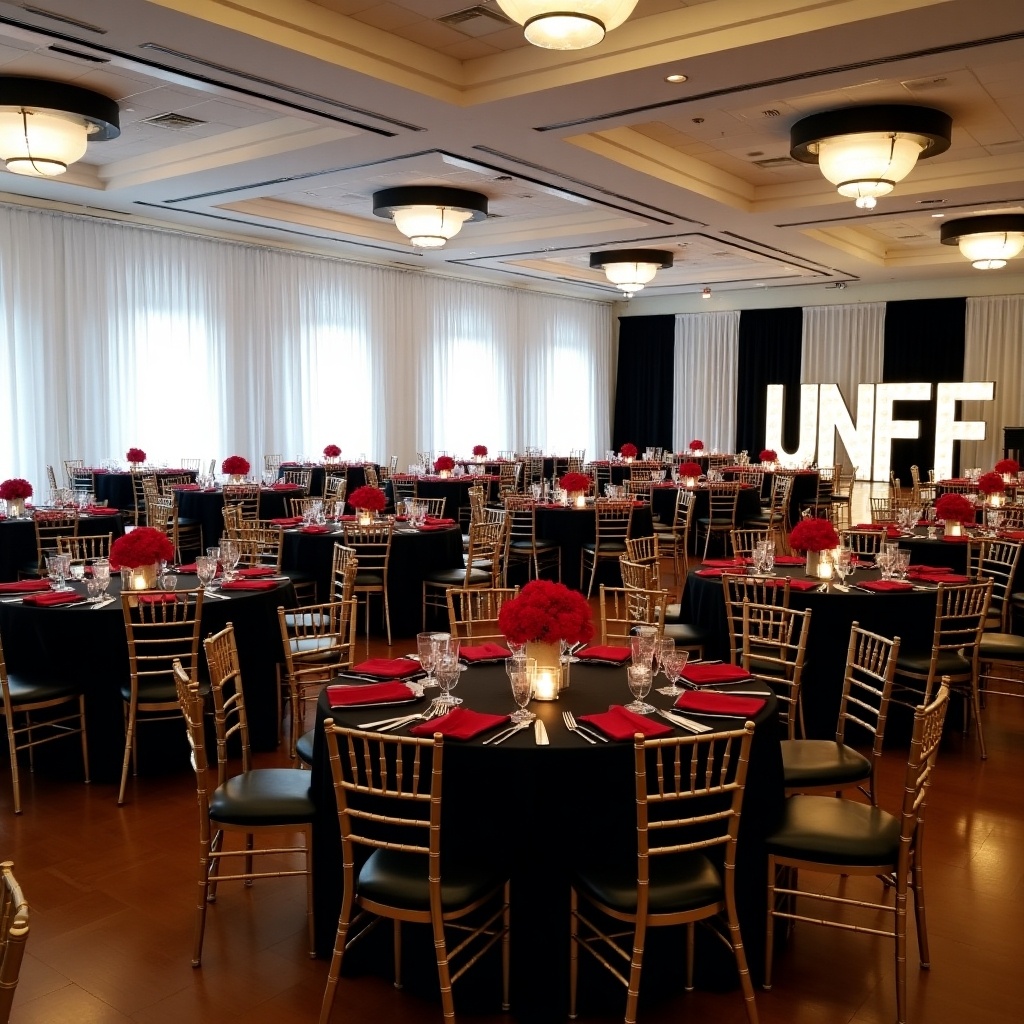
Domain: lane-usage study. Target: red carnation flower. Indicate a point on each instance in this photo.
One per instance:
(16, 487)
(1008, 467)
(690, 469)
(546, 612)
(235, 465)
(143, 546)
(444, 463)
(367, 497)
(574, 482)
(955, 508)
(813, 534)
(991, 483)
(480, 449)
(696, 445)
(135, 455)
(627, 451)
(332, 451)
(769, 455)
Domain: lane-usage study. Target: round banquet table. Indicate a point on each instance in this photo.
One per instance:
(117, 489)
(92, 644)
(18, 539)
(663, 503)
(355, 474)
(414, 554)
(207, 507)
(909, 615)
(570, 528)
(804, 490)
(454, 489)
(541, 803)
(925, 550)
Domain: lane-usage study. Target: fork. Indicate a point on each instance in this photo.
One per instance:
(389, 723)
(434, 711)
(571, 724)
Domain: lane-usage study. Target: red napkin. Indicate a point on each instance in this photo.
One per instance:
(287, 521)
(702, 675)
(102, 510)
(789, 560)
(884, 585)
(248, 585)
(485, 652)
(186, 487)
(370, 693)
(54, 597)
(710, 573)
(620, 724)
(25, 587)
(942, 577)
(718, 704)
(460, 724)
(727, 563)
(315, 528)
(284, 487)
(962, 539)
(256, 572)
(892, 532)
(188, 567)
(1012, 534)
(387, 668)
(346, 519)
(167, 598)
(928, 570)
(433, 521)
(605, 653)
(802, 584)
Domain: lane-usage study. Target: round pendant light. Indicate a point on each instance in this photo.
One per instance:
(428, 215)
(631, 269)
(865, 151)
(46, 126)
(988, 241)
(567, 24)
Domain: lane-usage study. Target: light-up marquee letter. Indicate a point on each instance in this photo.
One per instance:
(948, 428)
(886, 428)
(834, 417)
(808, 423)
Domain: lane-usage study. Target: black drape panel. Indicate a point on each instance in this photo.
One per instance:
(643, 385)
(924, 341)
(769, 353)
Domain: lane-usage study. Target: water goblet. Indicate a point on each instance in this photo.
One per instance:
(169, 582)
(230, 554)
(206, 569)
(884, 560)
(426, 649)
(900, 564)
(101, 573)
(663, 648)
(673, 665)
(78, 571)
(93, 589)
(213, 552)
(54, 569)
(520, 677)
(448, 669)
(844, 564)
(639, 679)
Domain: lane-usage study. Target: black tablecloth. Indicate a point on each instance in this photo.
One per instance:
(909, 615)
(207, 507)
(117, 491)
(414, 553)
(663, 503)
(542, 803)
(355, 474)
(935, 551)
(18, 540)
(455, 491)
(44, 642)
(803, 491)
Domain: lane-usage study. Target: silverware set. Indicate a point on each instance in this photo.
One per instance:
(434, 710)
(500, 737)
(590, 735)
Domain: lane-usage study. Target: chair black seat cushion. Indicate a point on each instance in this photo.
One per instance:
(949, 663)
(32, 691)
(369, 579)
(264, 796)
(821, 763)
(685, 633)
(716, 521)
(304, 747)
(297, 575)
(606, 547)
(152, 692)
(832, 831)
(1002, 647)
(399, 879)
(678, 883)
(458, 578)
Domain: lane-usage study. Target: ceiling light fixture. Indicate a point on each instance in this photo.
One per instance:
(675, 79)
(428, 215)
(865, 151)
(706, 294)
(46, 126)
(567, 24)
(631, 269)
(988, 241)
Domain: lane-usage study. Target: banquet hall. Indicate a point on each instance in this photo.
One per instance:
(630, 246)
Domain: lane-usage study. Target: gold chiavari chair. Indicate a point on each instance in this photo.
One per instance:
(184, 534)
(646, 551)
(70, 465)
(246, 495)
(624, 608)
(234, 522)
(574, 464)
(751, 476)
(775, 518)
(774, 649)
(14, 925)
(192, 465)
(388, 791)
(300, 506)
(139, 491)
(167, 482)
(922, 494)
(522, 545)
(821, 504)
(637, 575)
(508, 479)
(86, 547)
(612, 521)
(602, 474)
(259, 547)
(721, 517)
(638, 490)
(335, 486)
(370, 473)
(473, 613)
(51, 479)
(299, 478)
(863, 542)
(435, 506)
(675, 536)
(50, 526)
(151, 494)
(745, 541)
(847, 837)
(372, 545)
(161, 628)
(477, 504)
(482, 569)
(402, 487)
(272, 463)
(22, 698)
(842, 494)
(272, 802)
(760, 590)
(674, 879)
(818, 766)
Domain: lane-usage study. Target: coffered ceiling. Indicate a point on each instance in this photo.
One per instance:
(286, 116)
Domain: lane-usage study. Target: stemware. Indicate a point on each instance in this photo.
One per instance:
(663, 648)
(844, 564)
(426, 649)
(639, 679)
(673, 664)
(230, 554)
(55, 570)
(520, 676)
(101, 573)
(206, 569)
(448, 669)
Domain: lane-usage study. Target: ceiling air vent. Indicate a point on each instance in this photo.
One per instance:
(63, 19)
(476, 21)
(173, 122)
(768, 163)
(79, 56)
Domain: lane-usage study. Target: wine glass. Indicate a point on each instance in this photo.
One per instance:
(663, 648)
(426, 648)
(639, 679)
(206, 569)
(448, 669)
(520, 676)
(844, 564)
(101, 573)
(230, 554)
(54, 569)
(673, 664)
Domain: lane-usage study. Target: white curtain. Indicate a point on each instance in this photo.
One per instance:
(706, 378)
(843, 345)
(994, 350)
(114, 336)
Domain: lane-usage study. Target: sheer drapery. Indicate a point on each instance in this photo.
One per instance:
(994, 350)
(843, 345)
(113, 335)
(706, 373)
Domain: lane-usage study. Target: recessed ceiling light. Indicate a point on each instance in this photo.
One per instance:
(675, 79)
(938, 215)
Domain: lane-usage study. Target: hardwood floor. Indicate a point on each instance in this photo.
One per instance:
(112, 892)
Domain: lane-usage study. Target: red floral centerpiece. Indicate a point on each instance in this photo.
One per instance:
(1007, 467)
(769, 455)
(628, 451)
(813, 535)
(696, 445)
(135, 455)
(689, 471)
(991, 483)
(368, 499)
(444, 464)
(480, 451)
(14, 492)
(332, 451)
(955, 510)
(141, 551)
(235, 466)
(576, 485)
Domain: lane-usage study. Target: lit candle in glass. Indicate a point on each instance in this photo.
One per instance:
(545, 684)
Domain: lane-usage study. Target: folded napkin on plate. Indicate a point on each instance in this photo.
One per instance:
(1012, 534)
(802, 584)
(167, 598)
(702, 675)
(370, 693)
(24, 587)
(460, 724)
(946, 577)
(433, 521)
(248, 585)
(726, 563)
(315, 528)
(102, 510)
(386, 668)
(607, 652)
(884, 585)
(483, 652)
(928, 570)
(620, 724)
(255, 572)
(962, 539)
(718, 704)
(284, 486)
(710, 573)
(789, 560)
(54, 597)
(287, 521)
(186, 487)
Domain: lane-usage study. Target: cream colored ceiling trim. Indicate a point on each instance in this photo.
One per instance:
(712, 27)
(581, 274)
(285, 135)
(374, 228)
(871, 249)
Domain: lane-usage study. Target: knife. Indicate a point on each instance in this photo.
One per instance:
(685, 723)
(540, 734)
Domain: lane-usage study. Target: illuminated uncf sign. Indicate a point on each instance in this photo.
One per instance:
(868, 441)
